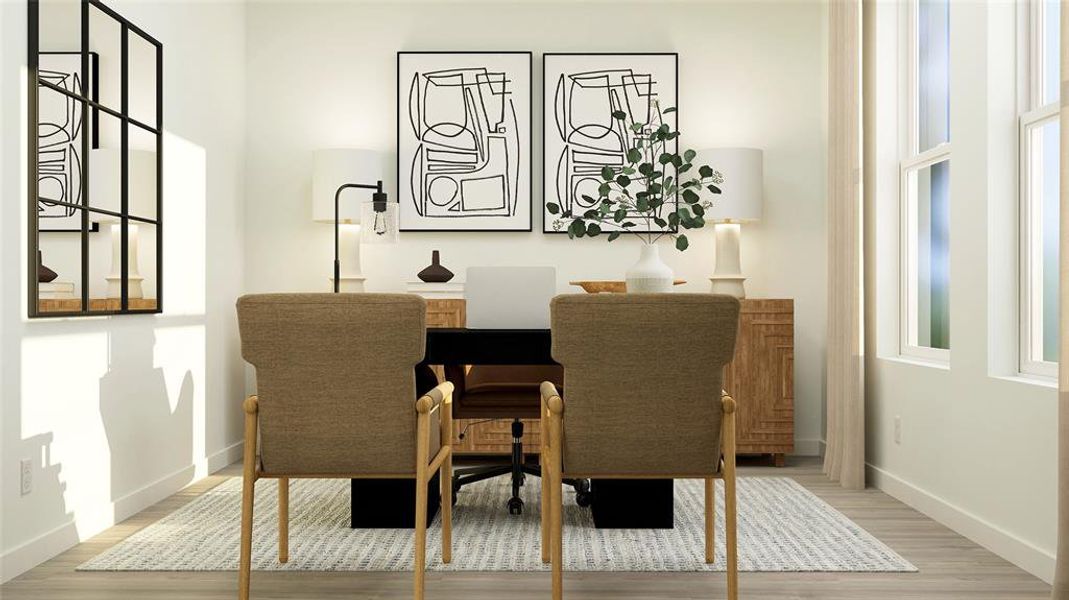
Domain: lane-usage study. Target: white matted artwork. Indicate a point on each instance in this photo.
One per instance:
(580, 135)
(464, 141)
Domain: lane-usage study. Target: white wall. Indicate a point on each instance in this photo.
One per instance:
(978, 443)
(117, 413)
(322, 75)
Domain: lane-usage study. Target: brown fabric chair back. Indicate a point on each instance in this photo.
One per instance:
(335, 380)
(642, 376)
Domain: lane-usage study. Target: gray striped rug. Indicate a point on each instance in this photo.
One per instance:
(782, 527)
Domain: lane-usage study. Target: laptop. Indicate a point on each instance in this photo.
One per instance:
(509, 297)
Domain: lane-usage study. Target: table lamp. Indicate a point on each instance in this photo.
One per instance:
(739, 202)
(338, 171)
(105, 190)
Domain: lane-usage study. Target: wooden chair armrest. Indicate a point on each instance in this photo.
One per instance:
(727, 403)
(441, 394)
(551, 400)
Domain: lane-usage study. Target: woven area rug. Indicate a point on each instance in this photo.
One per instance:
(782, 527)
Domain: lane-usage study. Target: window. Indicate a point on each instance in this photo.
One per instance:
(925, 185)
(1039, 143)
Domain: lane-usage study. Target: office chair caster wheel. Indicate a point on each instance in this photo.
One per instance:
(515, 506)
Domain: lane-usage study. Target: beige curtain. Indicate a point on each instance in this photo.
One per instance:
(844, 460)
(1061, 571)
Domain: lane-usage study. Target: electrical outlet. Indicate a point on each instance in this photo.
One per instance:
(898, 429)
(26, 475)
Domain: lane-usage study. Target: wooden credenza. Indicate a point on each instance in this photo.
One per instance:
(760, 378)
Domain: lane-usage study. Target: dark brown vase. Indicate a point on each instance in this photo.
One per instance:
(435, 273)
(44, 274)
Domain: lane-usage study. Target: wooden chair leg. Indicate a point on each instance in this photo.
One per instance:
(710, 520)
(556, 408)
(730, 520)
(420, 564)
(423, 430)
(446, 478)
(284, 520)
(547, 499)
(248, 490)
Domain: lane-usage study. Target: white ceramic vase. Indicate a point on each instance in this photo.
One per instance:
(649, 275)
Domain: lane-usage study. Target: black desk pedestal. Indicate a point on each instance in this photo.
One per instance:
(390, 503)
(632, 503)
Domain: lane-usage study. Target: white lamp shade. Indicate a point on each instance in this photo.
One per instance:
(336, 167)
(105, 183)
(742, 190)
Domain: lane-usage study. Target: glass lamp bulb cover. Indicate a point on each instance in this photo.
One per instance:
(379, 226)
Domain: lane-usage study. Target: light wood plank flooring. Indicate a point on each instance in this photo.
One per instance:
(950, 567)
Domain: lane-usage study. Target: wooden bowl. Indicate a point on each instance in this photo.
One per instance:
(609, 287)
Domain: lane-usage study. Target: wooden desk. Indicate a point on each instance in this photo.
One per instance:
(760, 378)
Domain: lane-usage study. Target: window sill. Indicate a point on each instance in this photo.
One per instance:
(916, 361)
(1029, 379)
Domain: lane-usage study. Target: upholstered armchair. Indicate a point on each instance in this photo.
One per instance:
(643, 399)
(336, 397)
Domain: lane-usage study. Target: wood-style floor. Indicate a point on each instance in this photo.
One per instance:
(950, 567)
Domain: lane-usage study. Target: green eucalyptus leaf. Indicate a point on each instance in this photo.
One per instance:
(673, 220)
(619, 215)
(593, 229)
(591, 214)
(670, 109)
(604, 189)
(689, 155)
(634, 155)
(705, 171)
(665, 158)
(629, 171)
(684, 168)
(588, 199)
(607, 173)
(698, 209)
(552, 207)
(660, 222)
(614, 235)
(642, 205)
(623, 180)
(690, 196)
(628, 224)
(645, 169)
(714, 189)
(637, 127)
(619, 115)
(682, 243)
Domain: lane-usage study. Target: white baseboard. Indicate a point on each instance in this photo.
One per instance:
(28, 555)
(1010, 547)
(808, 447)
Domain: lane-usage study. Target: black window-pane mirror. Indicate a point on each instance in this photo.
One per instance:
(96, 217)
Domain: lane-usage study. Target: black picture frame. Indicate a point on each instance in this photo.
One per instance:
(91, 101)
(546, 86)
(529, 149)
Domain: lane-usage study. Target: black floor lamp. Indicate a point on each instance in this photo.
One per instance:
(378, 205)
(341, 169)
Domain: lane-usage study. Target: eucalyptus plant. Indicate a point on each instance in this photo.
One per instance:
(652, 188)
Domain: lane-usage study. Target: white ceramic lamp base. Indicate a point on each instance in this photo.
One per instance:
(350, 280)
(727, 277)
(134, 278)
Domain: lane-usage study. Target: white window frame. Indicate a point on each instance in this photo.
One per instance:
(1030, 263)
(912, 162)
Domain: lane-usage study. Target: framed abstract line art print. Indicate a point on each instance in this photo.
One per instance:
(464, 141)
(580, 134)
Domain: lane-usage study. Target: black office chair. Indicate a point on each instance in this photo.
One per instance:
(486, 393)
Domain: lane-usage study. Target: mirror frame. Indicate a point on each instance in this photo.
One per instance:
(126, 121)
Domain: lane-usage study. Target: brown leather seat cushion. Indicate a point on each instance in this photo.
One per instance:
(503, 391)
